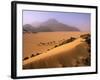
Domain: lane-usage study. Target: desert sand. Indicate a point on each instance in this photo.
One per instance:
(68, 55)
(43, 41)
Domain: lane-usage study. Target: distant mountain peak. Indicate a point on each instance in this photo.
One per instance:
(50, 25)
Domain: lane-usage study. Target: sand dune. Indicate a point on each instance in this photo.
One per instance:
(66, 55)
(31, 41)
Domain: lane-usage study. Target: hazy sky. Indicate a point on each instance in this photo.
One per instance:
(79, 20)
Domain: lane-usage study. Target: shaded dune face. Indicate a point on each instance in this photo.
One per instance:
(68, 55)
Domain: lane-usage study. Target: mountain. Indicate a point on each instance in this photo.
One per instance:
(54, 25)
(29, 28)
(50, 25)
